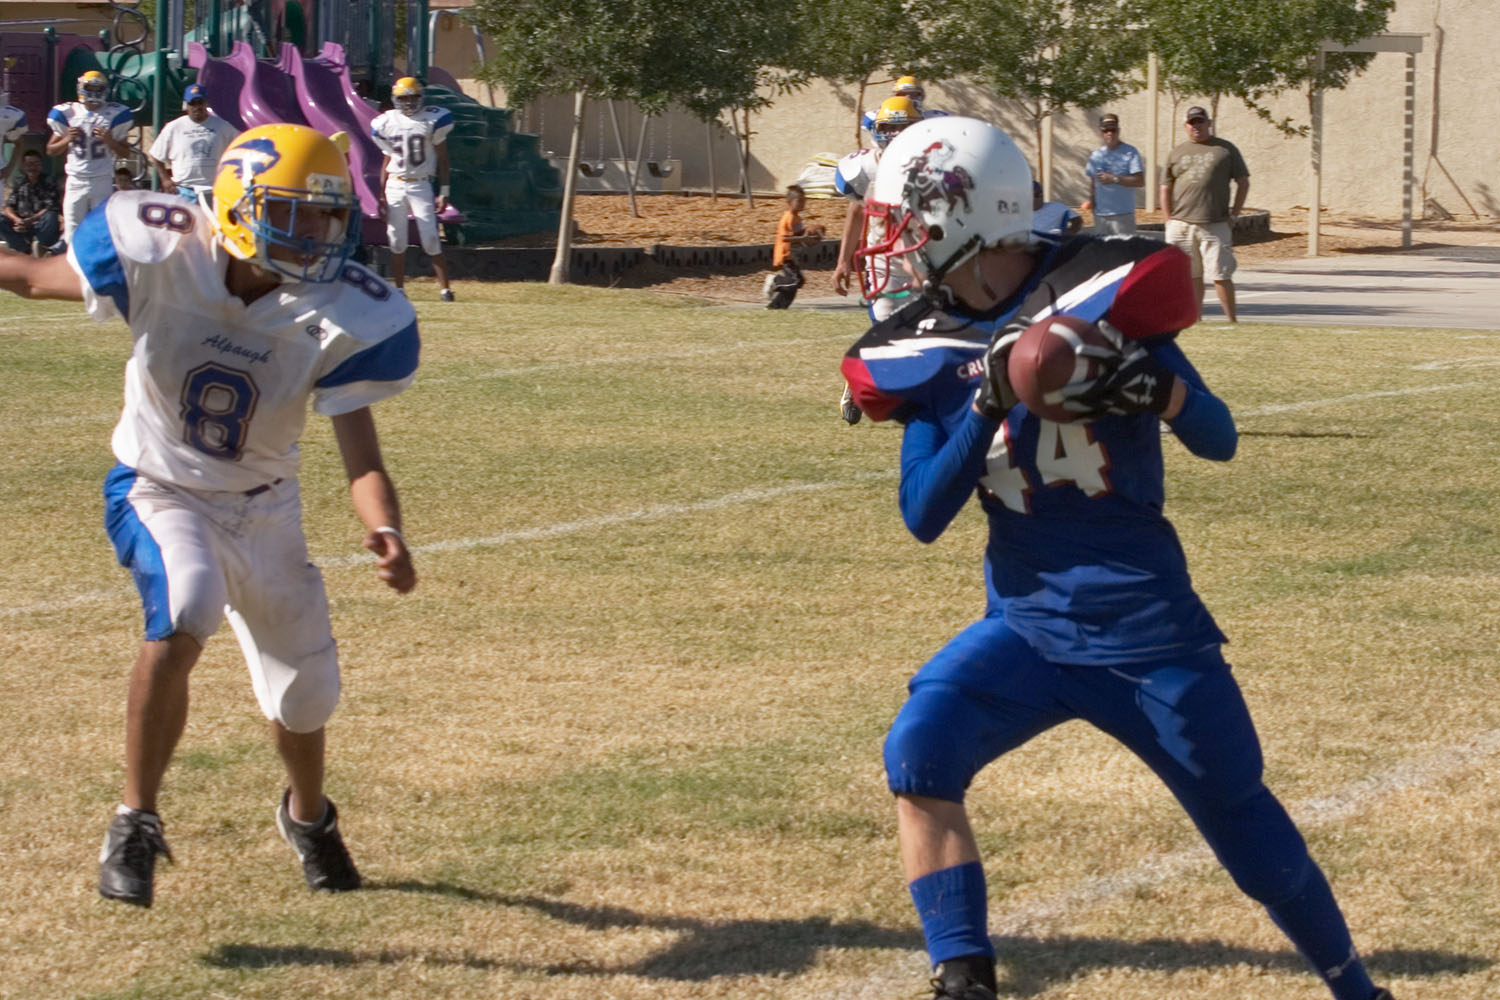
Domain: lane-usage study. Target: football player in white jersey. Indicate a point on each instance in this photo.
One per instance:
(412, 138)
(92, 130)
(187, 149)
(240, 315)
(851, 178)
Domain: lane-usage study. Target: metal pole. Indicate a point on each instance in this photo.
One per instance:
(1408, 149)
(1153, 179)
(559, 274)
(159, 84)
(1315, 147)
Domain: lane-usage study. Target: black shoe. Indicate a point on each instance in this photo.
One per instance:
(848, 408)
(447, 295)
(127, 861)
(320, 848)
(971, 977)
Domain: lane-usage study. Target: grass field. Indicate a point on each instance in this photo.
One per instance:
(623, 740)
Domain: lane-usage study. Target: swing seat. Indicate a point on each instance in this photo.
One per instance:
(588, 169)
(659, 170)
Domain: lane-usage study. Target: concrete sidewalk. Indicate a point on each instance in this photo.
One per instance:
(1446, 287)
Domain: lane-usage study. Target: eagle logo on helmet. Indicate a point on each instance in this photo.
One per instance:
(251, 158)
(931, 176)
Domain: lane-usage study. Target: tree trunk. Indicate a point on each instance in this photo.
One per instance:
(559, 275)
(859, 111)
(744, 153)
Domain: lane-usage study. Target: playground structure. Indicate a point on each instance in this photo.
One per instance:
(313, 63)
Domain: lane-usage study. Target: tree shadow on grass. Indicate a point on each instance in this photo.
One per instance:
(708, 949)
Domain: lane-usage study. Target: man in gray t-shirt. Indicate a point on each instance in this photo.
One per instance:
(1195, 199)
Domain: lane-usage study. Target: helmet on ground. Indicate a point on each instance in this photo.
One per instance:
(264, 179)
(907, 86)
(93, 89)
(894, 115)
(945, 189)
(407, 94)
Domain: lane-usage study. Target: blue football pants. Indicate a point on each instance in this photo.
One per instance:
(988, 692)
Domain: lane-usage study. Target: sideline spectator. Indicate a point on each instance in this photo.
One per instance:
(1114, 171)
(124, 180)
(781, 288)
(1195, 200)
(188, 147)
(31, 208)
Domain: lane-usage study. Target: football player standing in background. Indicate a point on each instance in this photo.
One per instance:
(12, 127)
(92, 130)
(239, 316)
(1090, 613)
(413, 140)
(188, 147)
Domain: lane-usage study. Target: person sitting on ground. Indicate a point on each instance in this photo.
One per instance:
(32, 208)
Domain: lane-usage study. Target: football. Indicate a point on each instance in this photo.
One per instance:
(1052, 353)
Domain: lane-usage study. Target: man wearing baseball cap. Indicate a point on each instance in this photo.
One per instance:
(1195, 200)
(188, 148)
(1114, 170)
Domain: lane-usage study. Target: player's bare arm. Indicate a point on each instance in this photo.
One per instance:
(117, 146)
(442, 173)
(374, 497)
(847, 246)
(40, 278)
(58, 143)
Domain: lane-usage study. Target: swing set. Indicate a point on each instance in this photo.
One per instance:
(598, 166)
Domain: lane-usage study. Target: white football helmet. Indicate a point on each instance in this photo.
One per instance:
(945, 189)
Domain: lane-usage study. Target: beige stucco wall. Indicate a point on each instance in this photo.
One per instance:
(1457, 120)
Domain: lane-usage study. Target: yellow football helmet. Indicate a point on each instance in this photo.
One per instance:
(895, 114)
(907, 86)
(407, 95)
(265, 176)
(93, 88)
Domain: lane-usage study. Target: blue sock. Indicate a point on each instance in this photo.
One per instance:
(1316, 926)
(952, 906)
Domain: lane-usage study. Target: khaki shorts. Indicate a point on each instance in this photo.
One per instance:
(1210, 247)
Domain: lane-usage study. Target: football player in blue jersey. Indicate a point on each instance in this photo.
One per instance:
(1090, 613)
(241, 314)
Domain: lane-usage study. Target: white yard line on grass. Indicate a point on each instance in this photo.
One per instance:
(663, 511)
(1039, 915)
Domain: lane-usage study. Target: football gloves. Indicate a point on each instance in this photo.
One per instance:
(995, 397)
(1132, 382)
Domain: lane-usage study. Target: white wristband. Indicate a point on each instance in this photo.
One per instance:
(386, 529)
(443, 192)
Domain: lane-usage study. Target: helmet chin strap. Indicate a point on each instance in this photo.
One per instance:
(933, 287)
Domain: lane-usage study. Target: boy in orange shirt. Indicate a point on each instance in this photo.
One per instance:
(781, 287)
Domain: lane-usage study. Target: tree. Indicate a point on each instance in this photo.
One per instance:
(1256, 51)
(855, 42)
(704, 54)
(1046, 55)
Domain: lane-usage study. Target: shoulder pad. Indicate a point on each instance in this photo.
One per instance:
(911, 358)
(1142, 287)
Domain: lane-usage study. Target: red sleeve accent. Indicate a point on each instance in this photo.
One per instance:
(872, 402)
(1156, 296)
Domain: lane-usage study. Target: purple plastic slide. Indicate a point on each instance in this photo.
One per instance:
(247, 92)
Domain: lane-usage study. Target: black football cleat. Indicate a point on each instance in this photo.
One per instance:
(971, 977)
(127, 861)
(447, 295)
(325, 861)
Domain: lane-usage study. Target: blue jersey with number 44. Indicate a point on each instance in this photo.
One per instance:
(1081, 561)
(216, 391)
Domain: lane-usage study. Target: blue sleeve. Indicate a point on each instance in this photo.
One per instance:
(123, 118)
(1204, 425)
(939, 472)
(94, 253)
(391, 360)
